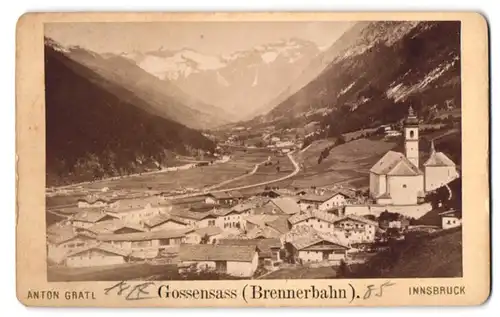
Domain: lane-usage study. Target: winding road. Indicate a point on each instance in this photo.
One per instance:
(204, 192)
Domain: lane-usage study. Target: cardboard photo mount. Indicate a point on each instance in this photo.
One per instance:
(33, 289)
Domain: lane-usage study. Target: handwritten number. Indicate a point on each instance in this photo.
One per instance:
(122, 286)
(140, 290)
(135, 293)
(371, 288)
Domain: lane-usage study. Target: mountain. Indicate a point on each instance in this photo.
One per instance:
(163, 98)
(237, 82)
(357, 39)
(373, 79)
(96, 128)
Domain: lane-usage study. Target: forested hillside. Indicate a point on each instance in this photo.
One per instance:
(97, 129)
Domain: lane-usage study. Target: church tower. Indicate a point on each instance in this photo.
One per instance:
(411, 137)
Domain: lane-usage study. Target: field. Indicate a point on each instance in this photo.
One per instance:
(241, 163)
(265, 173)
(346, 164)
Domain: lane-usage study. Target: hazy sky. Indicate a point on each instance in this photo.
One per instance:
(206, 37)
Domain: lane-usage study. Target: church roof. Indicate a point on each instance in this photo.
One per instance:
(439, 159)
(404, 168)
(395, 163)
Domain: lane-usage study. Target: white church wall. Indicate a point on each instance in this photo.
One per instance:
(378, 184)
(438, 176)
(404, 189)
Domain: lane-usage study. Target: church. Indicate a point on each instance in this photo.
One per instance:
(398, 179)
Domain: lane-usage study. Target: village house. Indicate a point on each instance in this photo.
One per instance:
(357, 229)
(317, 219)
(307, 245)
(279, 206)
(196, 219)
(89, 217)
(66, 241)
(223, 198)
(258, 220)
(245, 209)
(135, 210)
(203, 207)
(324, 202)
(239, 261)
(114, 226)
(450, 219)
(267, 249)
(137, 241)
(165, 222)
(197, 236)
(229, 219)
(96, 255)
(94, 201)
(270, 193)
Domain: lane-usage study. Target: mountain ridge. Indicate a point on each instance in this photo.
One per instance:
(370, 80)
(164, 98)
(236, 82)
(97, 129)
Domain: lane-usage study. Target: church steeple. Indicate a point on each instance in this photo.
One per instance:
(433, 149)
(411, 137)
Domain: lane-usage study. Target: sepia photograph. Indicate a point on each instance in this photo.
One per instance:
(236, 150)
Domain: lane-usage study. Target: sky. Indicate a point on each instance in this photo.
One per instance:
(215, 38)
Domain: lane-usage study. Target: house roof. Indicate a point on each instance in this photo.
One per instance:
(359, 219)
(143, 236)
(217, 252)
(287, 205)
(305, 236)
(91, 199)
(263, 232)
(261, 219)
(210, 231)
(226, 195)
(394, 160)
(316, 214)
(162, 218)
(201, 207)
(439, 159)
(187, 214)
(244, 207)
(59, 230)
(264, 246)
(91, 216)
(314, 198)
(65, 236)
(451, 213)
(102, 247)
(224, 212)
(279, 224)
(109, 226)
(135, 203)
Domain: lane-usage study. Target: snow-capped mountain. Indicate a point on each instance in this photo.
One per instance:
(237, 82)
(381, 68)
